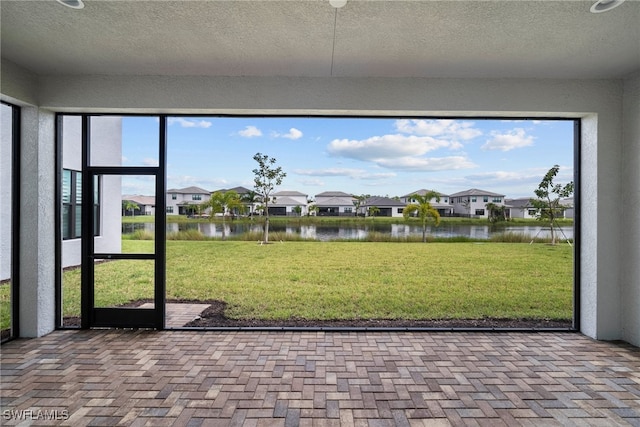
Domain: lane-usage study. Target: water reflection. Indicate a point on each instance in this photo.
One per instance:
(333, 232)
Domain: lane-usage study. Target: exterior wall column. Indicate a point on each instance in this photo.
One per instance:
(37, 223)
(630, 238)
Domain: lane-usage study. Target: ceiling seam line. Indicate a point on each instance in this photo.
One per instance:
(333, 45)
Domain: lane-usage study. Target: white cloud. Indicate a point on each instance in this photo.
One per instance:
(427, 164)
(293, 134)
(345, 172)
(186, 123)
(138, 184)
(531, 177)
(406, 152)
(250, 132)
(150, 162)
(379, 175)
(329, 172)
(312, 182)
(502, 176)
(453, 129)
(517, 138)
(385, 147)
(181, 181)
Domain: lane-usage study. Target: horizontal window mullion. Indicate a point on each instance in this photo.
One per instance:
(124, 170)
(124, 256)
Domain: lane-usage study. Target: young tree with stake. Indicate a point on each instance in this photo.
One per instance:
(548, 204)
(267, 177)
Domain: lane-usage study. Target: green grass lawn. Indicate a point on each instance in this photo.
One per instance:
(348, 280)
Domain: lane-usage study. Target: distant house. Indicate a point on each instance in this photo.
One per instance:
(520, 208)
(180, 201)
(242, 192)
(286, 202)
(146, 205)
(569, 211)
(473, 202)
(444, 207)
(385, 206)
(335, 203)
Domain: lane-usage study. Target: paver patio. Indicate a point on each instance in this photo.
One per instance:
(258, 378)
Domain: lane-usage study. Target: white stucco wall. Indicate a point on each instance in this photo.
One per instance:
(37, 225)
(71, 159)
(6, 157)
(106, 137)
(106, 149)
(599, 103)
(630, 277)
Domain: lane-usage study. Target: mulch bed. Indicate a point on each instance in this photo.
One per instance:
(214, 317)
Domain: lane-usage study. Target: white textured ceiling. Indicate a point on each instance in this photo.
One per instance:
(518, 38)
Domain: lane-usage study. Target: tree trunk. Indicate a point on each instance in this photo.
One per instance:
(266, 229)
(424, 232)
(224, 237)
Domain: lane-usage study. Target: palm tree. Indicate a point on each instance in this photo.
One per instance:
(194, 209)
(130, 206)
(251, 198)
(373, 210)
(224, 202)
(422, 207)
(496, 213)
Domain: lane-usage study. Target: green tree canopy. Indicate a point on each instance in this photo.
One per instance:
(549, 196)
(224, 203)
(266, 177)
(251, 198)
(131, 206)
(496, 212)
(422, 209)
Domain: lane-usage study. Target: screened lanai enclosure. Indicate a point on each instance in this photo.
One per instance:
(175, 223)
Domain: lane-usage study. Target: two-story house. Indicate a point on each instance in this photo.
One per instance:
(181, 201)
(444, 207)
(289, 203)
(473, 202)
(250, 203)
(335, 203)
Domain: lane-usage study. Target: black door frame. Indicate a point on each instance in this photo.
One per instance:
(116, 316)
(16, 132)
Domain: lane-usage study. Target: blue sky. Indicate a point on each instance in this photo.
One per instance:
(386, 157)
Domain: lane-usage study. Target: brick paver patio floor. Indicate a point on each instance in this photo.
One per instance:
(256, 378)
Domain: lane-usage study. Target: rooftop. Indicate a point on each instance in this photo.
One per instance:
(476, 192)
